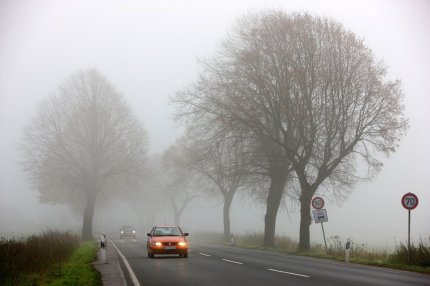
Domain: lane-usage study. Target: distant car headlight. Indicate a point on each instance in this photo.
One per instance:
(158, 243)
(182, 243)
(134, 231)
(122, 231)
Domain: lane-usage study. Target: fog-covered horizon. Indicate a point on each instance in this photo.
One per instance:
(150, 49)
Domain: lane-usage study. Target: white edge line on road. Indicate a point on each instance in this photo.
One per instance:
(290, 273)
(130, 271)
(204, 254)
(231, 261)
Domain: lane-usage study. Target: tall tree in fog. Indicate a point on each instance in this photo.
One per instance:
(310, 88)
(340, 109)
(83, 140)
(225, 100)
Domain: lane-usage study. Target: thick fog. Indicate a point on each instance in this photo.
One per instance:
(149, 50)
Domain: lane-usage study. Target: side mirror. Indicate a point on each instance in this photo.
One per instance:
(148, 234)
(185, 233)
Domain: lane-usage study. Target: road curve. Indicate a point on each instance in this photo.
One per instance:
(212, 264)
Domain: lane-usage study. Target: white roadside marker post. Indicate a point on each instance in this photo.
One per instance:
(347, 247)
(103, 248)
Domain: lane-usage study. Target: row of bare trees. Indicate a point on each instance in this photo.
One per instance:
(288, 100)
(301, 98)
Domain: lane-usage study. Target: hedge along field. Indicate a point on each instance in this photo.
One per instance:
(25, 261)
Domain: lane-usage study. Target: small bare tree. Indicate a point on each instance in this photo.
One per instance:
(179, 185)
(83, 140)
(219, 161)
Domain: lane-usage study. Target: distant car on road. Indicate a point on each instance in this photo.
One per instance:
(127, 232)
(167, 240)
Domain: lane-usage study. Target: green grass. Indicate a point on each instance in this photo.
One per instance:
(79, 271)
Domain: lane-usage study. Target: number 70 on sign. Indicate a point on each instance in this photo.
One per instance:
(410, 201)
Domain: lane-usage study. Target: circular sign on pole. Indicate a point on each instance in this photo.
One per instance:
(409, 201)
(317, 203)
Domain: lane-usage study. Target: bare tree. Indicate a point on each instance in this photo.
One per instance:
(151, 201)
(221, 161)
(83, 140)
(224, 101)
(179, 185)
(341, 109)
(307, 86)
(213, 106)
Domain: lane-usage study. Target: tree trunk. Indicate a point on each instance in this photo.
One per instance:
(87, 225)
(274, 198)
(177, 217)
(305, 219)
(226, 216)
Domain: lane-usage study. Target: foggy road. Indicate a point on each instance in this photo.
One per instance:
(211, 264)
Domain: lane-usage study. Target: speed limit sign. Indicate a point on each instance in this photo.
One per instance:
(317, 203)
(409, 201)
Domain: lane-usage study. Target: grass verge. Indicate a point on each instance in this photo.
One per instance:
(79, 271)
(416, 260)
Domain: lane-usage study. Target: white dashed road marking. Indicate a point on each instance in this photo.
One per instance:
(289, 273)
(270, 269)
(231, 261)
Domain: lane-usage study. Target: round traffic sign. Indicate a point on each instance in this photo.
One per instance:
(409, 201)
(317, 203)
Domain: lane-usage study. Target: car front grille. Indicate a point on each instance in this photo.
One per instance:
(169, 243)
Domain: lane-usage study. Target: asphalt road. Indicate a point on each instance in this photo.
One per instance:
(211, 264)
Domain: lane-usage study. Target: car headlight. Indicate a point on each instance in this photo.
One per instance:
(122, 231)
(157, 243)
(182, 243)
(134, 231)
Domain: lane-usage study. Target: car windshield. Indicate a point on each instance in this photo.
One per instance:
(127, 228)
(167, 231)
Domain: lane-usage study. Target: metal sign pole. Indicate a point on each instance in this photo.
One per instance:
(325, 242)
(409, 235)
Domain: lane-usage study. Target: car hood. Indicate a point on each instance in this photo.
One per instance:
(168, 238)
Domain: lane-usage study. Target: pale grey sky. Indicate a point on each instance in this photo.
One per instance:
(149, 50)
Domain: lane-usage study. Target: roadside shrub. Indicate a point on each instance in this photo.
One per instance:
(34, 254)
(211, 237)
(255, 239)
(335, 246)
(418, 255)
(358, 251)
(250, 239)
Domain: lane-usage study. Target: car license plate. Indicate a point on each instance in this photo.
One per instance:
(169, 247)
